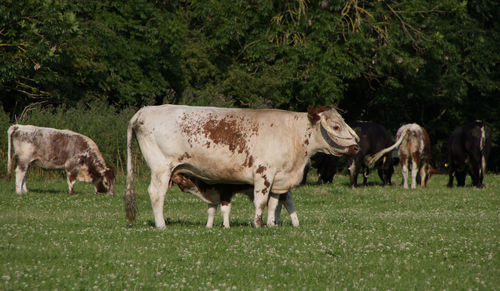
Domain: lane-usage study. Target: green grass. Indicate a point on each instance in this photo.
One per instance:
(366, 238)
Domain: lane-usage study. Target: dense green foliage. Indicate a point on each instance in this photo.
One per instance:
(367, 238)
(431, 62)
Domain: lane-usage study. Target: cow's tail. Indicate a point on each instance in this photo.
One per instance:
(10, 161)
(371, 160)
(482, 143)
(129, 194)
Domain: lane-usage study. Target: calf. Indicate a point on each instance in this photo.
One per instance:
(373, 138)
(51, 148)
(471, 141)
(415, 146)
(215, 194)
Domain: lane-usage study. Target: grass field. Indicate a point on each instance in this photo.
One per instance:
(366, 238)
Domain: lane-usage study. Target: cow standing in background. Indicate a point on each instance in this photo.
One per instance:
(325, 165)
(416, 147)
(470, 142)
(267, 149)
(51, 148)
(373, 138)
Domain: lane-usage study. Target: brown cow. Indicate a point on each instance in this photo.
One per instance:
(52, 148)
(416, 147)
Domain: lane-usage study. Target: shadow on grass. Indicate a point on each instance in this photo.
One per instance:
(46, 191)
(178, 221)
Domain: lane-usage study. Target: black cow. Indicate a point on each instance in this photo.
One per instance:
(471, 141)
(326, 166)
(373, 138)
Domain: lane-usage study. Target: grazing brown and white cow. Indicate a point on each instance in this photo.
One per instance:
(266, 149)
(52, 148)
(416, 146)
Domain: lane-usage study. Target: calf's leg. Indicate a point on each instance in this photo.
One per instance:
(212, 209)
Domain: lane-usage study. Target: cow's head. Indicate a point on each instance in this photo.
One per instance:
(108, 181)
(339, 136)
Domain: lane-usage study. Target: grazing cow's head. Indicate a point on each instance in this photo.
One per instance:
(341, 138)
(105, 181)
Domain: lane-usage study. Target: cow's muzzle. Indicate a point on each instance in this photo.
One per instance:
(352, 150)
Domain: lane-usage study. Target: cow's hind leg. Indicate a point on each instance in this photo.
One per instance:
(21, 173)
(225, 209)
(404, 171)
(424, 174)
(71, 178)
(414, 172)
(157, 190)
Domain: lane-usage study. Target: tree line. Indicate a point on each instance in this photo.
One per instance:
(435, 63)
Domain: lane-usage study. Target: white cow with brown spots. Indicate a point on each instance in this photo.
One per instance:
(52, 148)
(266, 149)
(415, 147)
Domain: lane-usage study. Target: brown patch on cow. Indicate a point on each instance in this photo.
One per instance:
(266, 182)
(248, 160)
(230, 130)
(226, 132)
(258, 221)
(186, 155)
(225, 203)
(260, 169)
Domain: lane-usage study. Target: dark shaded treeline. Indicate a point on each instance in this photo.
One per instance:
(431, 62)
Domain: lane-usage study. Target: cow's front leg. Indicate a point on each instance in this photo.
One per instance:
(262, 188)
(157, 190)
(212, 209)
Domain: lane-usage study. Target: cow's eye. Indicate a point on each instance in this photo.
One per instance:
(336, 128)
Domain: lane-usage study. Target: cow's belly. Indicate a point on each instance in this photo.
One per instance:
(48, 165)
(219, 171)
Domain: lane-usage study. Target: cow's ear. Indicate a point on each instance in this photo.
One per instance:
(312, 114)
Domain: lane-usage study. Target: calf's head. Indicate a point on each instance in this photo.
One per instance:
(339, 136)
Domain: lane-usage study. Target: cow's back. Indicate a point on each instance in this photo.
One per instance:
(51, 148)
